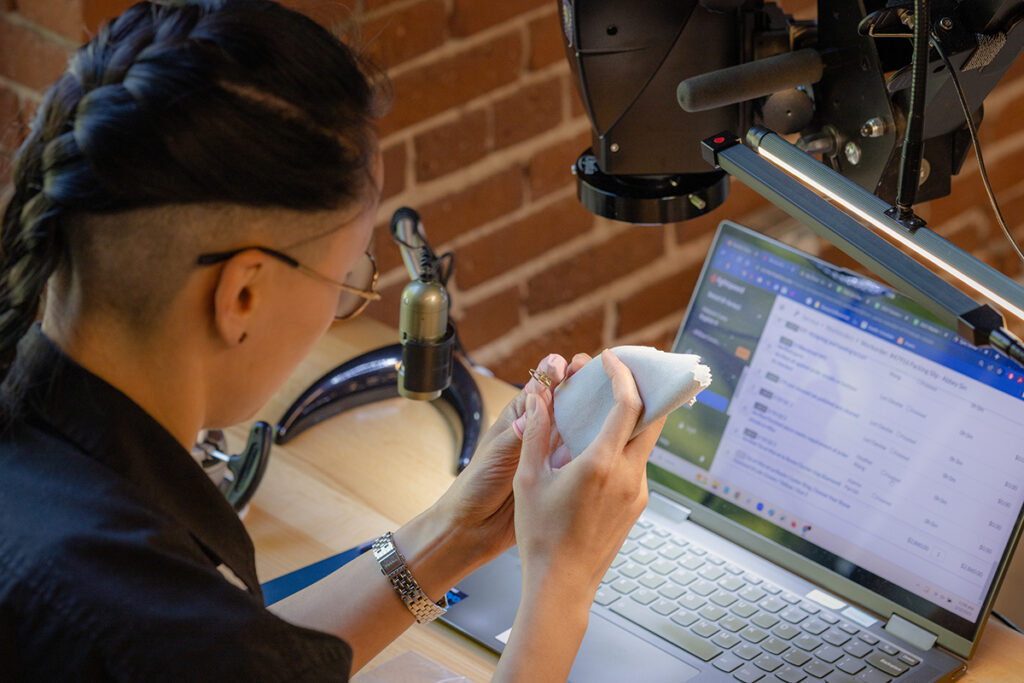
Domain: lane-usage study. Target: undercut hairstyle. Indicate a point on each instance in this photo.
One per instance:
(230, 102)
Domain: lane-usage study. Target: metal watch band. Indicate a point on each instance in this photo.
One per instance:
(392, 565)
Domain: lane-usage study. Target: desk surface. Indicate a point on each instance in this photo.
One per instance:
(335, 487)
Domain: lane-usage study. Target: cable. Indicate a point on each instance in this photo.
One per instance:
(866, 27)
(1006, 621)
(910, 159)
(973, 129)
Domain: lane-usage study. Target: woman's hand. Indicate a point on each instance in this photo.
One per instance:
(480, 500)
(469, 525)
(574, 518)
(570, 521)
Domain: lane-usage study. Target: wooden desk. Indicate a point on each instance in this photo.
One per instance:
(373, 468)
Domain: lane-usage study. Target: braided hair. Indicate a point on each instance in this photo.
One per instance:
(177, 102)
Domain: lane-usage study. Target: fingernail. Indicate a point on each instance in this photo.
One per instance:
(518, 424)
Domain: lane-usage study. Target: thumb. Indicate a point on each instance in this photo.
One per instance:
(534, 457)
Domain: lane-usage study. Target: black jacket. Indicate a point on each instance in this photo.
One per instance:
(114, 546)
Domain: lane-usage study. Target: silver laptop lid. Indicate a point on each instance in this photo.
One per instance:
(848, 436)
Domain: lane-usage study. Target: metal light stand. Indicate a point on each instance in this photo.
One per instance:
(763, 171)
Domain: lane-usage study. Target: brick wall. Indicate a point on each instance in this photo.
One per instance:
(484, 127)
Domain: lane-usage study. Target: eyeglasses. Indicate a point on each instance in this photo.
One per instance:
(352, 298)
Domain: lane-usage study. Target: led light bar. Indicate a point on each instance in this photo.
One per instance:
(1002, 291)
(802, 186)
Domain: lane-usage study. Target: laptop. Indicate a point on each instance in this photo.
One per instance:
(840, 505)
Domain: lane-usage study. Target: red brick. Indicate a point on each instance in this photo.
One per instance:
(385, 250)
(578, 335)
(546, 42)
(394, 158)
(968, 190)
(6, 170)
(695, 228)
(1003, 173)
(95, 12)
(470, 16)
(658, 300)
(480, 203)
(28, 58)
(451, 146)
(595, 267)
(60, 16)
(740, 202)
(423, 92)
(1006, 122)
(528, 112)
(10, 107)
(28, 113)
(405, 33)
(550, 169)
(1013, 212)
(801, 9)
(331, 14)
(1016, 227)
(1009, 263)
(660, 340)
(12, 122)
(576, 108)
(386, 310)
(521, 241)
(336, 16)
(965, 234)
(489, 319)
(371, 5)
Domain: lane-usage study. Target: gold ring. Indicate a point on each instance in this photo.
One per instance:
(541, 377)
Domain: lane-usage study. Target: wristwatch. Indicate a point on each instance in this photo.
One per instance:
(392, 565)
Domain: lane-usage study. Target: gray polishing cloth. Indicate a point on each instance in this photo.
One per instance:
(665, 382)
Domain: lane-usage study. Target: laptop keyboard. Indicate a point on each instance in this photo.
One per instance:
(741, 623)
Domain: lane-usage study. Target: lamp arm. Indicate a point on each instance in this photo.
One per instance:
(979, 324)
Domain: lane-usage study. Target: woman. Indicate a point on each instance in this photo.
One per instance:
(196, 199)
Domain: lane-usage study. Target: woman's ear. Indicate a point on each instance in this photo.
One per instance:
(237, 294)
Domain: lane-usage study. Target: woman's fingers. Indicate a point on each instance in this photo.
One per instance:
(560, 457)
(577, 362)
(621, 420)
(641, 446)
(619, 424)
(554, 368)
(534, 456)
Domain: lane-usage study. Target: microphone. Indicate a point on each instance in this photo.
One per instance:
(426, 335)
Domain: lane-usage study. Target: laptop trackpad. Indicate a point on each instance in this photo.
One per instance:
(608, 653)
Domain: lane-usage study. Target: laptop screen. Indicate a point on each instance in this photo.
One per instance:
(845, 424)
